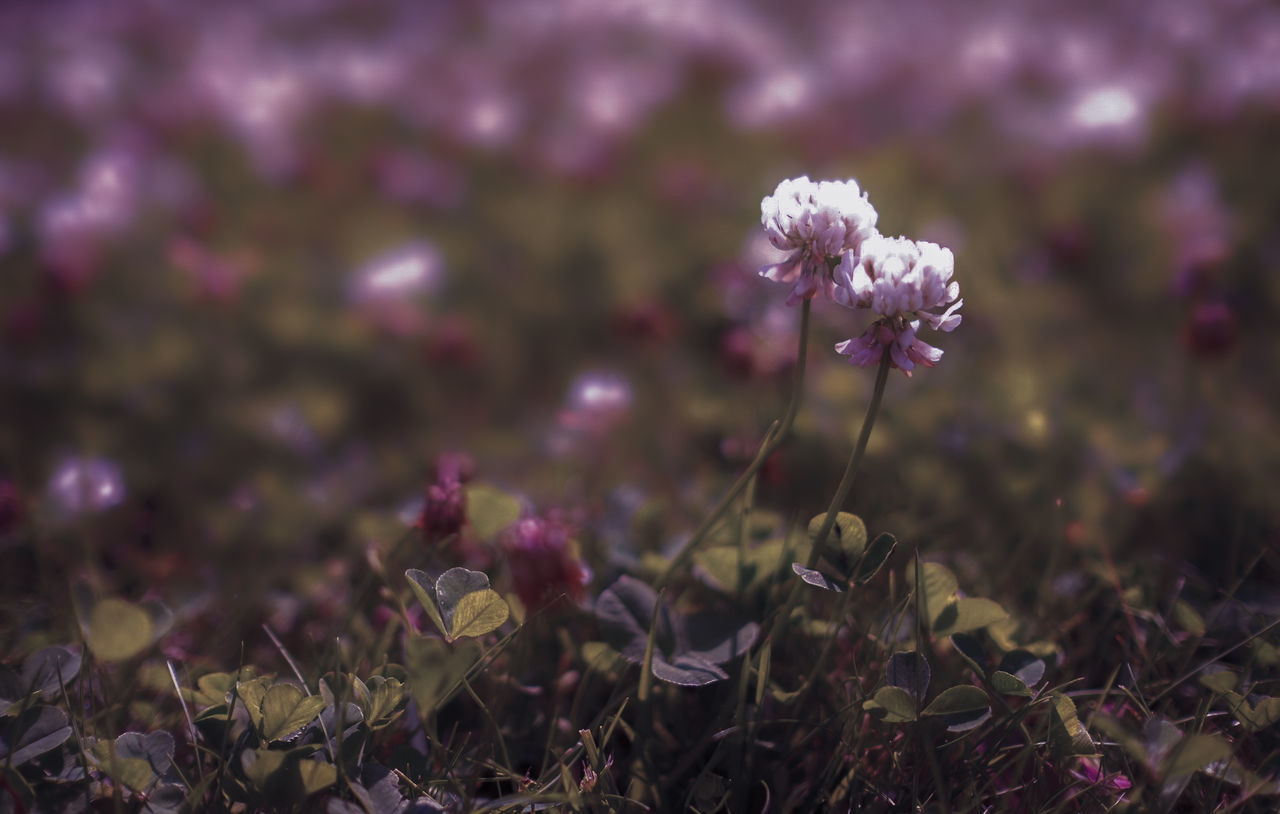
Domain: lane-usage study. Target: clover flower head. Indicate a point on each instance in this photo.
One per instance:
(905, 282)
(816, 223)
(444, 509)
(544, 561)
(82, 485)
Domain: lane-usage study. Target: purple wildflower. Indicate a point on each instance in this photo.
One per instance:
(816, 224)
(544, 562)
(905, 282)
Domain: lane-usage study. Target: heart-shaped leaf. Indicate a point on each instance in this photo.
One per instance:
(1009, 684)
(687, 670)
(285, 776)
(386, 701)
(249, 695)
(1187, 618)
(287, 709)
(1067, 736)
(133, 772)
(337, 687)
(49, 669)
(845, 542)
(490, 510)
(156, 748)
(716, 637)
(135, 759)
(477, 613)
(936, 585)
(602, 658)
(37, 730)
(1192, 754)
(1024, 664)
(379, 790)
(962, 707)
(970, 649)
(341, 721)
(815, 578)
(892, 705)
(213, 688)
(725, 569)
(877, 554)
(1254, 713)
(316, 775)
(167, 798)
(1219, 679)
(1159, 736)
(910, 671)
(966, 614)
(424, 588)
(452, 586)
(686, 651)
(625, 610)
(436, 670)
(262, 765)
(116, 630)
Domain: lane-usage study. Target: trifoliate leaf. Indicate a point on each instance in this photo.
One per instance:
(966, 614)
(893, 705)
(286, 709)
(910, 671)
(962, 707)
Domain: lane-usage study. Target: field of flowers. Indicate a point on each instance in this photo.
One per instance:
(604, 405)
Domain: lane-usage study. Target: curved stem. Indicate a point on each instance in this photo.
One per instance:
(846, 482)
(773, 438)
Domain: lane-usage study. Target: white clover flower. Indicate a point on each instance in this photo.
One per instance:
(905, 282)
(817, 223)
(85, 484)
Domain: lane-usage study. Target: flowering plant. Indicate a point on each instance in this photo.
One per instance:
(817, 223)
(904, 282)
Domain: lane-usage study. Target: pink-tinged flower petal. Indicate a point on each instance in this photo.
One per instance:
(947, 321)
(901, 358)
(865, 350)
(923, 353)
(785, 271)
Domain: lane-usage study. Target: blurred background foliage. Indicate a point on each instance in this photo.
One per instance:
(194, 199)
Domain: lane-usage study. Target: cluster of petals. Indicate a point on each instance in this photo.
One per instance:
(904, 282)
(816, 223)
(897, 277)
(829, 230)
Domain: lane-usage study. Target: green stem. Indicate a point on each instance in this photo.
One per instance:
(773, 438)
(846, 482)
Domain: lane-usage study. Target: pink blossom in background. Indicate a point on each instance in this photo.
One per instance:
(86, 484)
(1198, 226)
(444, 509)
(544, 562)
(387, 288)
(1210, 330)
(598, 401)
(216, 277)
(404, 272)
